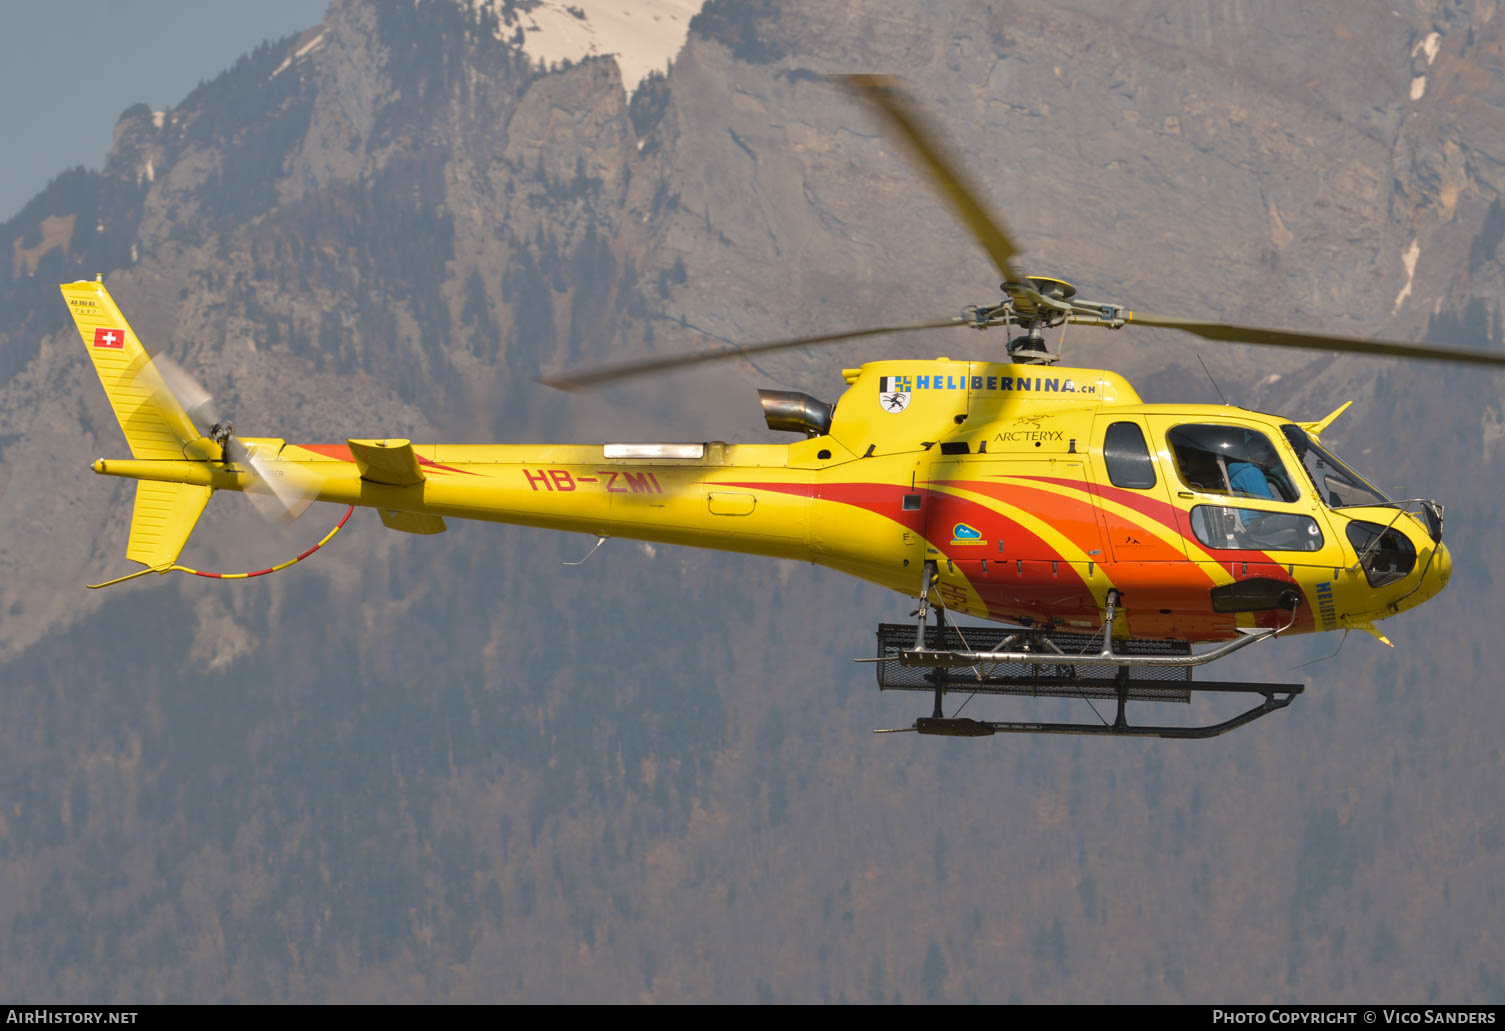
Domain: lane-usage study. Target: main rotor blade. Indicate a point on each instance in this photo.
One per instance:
(1316, 341)
(628, 370)
(888, 95)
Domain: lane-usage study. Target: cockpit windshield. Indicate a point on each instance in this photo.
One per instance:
(1337, 484)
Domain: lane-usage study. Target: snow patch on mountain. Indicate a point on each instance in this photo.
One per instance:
(300, 52)
(643, 35)
(1409, 259)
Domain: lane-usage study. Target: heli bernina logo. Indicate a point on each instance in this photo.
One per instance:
(111, 338)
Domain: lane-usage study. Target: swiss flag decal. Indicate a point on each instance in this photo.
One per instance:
(105, 337)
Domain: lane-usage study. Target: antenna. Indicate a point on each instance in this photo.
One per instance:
(1210, 379)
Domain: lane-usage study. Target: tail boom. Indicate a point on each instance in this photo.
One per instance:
(551, 487)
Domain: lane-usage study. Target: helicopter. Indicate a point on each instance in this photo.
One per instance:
(1114, 546)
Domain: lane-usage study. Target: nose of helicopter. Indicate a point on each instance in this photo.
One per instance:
(1435, 572)
(1414, 568)
(1434, 577)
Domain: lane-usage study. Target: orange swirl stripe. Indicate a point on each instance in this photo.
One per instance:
(1176, 520)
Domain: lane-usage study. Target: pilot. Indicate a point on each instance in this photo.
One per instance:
(1251, 475)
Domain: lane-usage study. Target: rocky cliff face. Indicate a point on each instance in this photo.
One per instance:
(450, 769)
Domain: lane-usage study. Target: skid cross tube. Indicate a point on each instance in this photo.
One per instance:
(918, 656)
(1057, 673)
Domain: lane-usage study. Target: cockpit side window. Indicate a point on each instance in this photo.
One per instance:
(1128, 457)
(1337, 485)
(1232, 460)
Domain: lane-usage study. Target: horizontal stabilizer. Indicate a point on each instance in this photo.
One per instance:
(387, 461)
(165, 515)
(411, 522)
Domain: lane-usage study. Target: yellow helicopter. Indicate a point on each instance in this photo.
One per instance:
(1105, 537)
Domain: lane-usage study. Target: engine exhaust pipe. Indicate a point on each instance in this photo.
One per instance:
(795, 412)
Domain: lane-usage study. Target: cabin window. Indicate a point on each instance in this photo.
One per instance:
(1249, 529)
(1128, 457)
(1233, 460)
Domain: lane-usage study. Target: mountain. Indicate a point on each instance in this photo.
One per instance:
(449, 769)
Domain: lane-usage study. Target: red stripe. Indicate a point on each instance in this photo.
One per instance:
(342, 452)
(1065, 594)
(1162, 512)
(447, 468)
(1005, 597)
(1178, 520)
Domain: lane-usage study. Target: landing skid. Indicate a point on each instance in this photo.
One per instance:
(1036, 662)
(1277, 696)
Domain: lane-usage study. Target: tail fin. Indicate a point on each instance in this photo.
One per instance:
(155, 425)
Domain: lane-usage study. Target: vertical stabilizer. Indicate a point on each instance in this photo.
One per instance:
(154, 423)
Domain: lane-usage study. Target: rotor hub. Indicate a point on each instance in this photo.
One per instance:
(1055, 289)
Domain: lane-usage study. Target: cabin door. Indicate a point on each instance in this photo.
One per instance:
(1132, 485)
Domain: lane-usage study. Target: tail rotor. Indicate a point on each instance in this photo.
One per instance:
(279, 494)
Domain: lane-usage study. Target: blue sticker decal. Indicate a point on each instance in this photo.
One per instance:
(961, 533)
